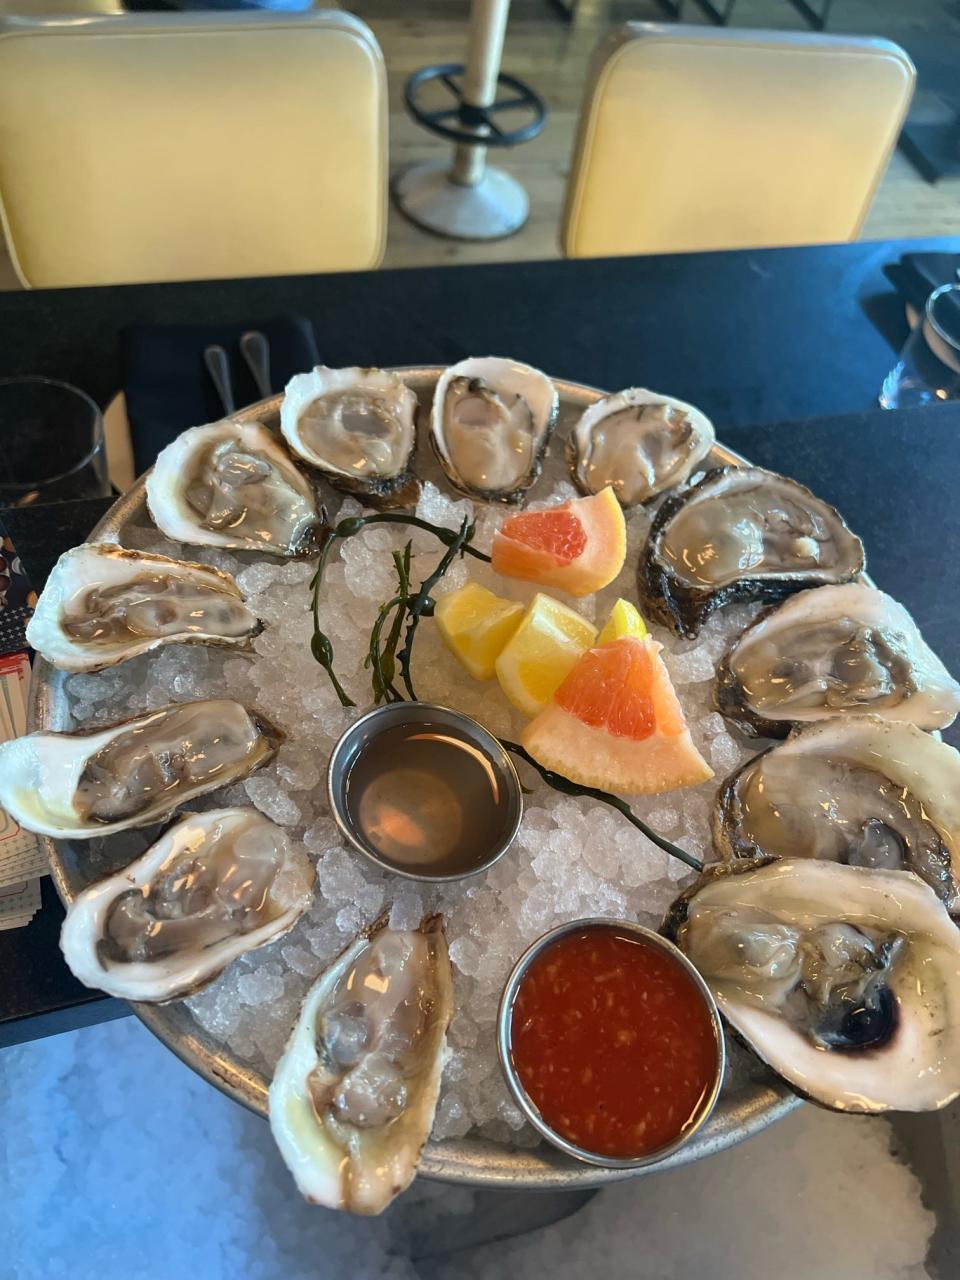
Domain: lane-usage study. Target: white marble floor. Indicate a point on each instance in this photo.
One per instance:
(117, 1163)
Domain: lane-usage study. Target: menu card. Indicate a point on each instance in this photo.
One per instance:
(22, 861)
(17, 598)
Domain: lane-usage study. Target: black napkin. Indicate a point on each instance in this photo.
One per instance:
(916, 275)
(167, 386)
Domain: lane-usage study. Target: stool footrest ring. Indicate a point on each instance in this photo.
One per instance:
(463, 122)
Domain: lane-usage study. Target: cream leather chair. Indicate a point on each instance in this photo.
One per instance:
(190, 146)
(693, 139)
(57, 8)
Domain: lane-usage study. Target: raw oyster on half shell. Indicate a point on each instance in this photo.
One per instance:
(93, 782)
(490, 424)
(357, 427)
(230, 484)
(103, 604)
(741, 533)
(862, 791)
(354, 1094)
(639, 442)
(843, 980)
(215, 885)
(836, 650)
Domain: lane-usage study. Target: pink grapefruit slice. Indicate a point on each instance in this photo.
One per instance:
(578, 546)
(616, 723)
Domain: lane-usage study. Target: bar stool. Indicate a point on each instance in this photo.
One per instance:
(467, 199)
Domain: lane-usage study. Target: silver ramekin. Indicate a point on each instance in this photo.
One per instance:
(515, 1085)
(363, 731)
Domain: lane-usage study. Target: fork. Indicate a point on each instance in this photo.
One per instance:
(255, 350)
(218, 367)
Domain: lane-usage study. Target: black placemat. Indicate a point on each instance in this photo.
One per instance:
(916, 275)
(42, 533)
(166, 384)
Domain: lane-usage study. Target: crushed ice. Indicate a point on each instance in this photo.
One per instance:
(573, 857)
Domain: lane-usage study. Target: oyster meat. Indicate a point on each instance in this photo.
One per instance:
(230, 484)
(840, 650)
(740, 533)
(639, 442)
(843, 980)
(357, 426)
(862, 791)
(354, 1094)
(90, 783)
(490, 424)
(103, 604)
(215, 885)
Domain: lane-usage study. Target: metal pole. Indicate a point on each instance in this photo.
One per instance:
(488, 28)
(467, 198)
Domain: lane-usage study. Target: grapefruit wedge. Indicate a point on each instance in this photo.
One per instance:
(615, 723)
(578, 546)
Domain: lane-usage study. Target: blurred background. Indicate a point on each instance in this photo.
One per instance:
(549, 46)
(116, 1161)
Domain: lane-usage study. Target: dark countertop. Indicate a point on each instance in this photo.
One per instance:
(761, 335)
(42, 534)
(895, 477)
(38, 994)
(752, 337)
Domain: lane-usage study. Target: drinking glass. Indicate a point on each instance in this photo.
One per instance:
(51, 443)
(928, 370)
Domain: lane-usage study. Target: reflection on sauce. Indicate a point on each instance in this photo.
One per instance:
(613, 1043)
(427, 801)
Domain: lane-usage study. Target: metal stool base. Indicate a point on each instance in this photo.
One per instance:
(493, 209)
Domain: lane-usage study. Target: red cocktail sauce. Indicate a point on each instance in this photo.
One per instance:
(613, 1042)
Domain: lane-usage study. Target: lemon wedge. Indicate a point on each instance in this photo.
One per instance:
(475, 625)
(541, 653)
(624, 620)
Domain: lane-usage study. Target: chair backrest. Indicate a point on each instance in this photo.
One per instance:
(190, 146)
(59, 9)
(693, 139)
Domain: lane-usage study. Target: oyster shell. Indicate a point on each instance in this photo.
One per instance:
(862, 791)
(357, 426)
(94, 782)
(639, 442)
(215, 885)
(230, 484)
(740, 533)
(843, 980)
(103, 604)
(354, 1094)
(490, 424)
(836, 650)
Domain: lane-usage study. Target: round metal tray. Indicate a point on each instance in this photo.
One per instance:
(741, 1111)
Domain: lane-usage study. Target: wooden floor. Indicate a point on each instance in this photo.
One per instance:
(553, 57)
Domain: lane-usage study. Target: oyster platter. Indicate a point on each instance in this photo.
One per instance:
(484, 776)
